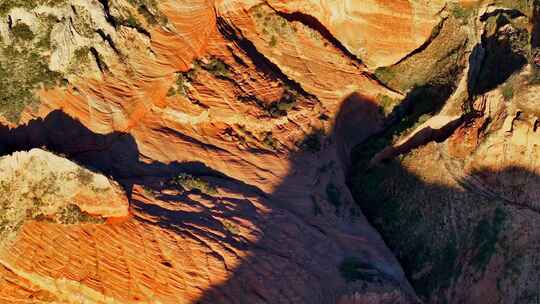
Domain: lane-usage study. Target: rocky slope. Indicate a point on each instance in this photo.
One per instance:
(230, 125)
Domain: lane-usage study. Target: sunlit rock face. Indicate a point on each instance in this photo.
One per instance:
(379, 32)
(38, 185)
(265, 151)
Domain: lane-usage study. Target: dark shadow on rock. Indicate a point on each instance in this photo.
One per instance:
(315, 244)
(420, 103)
(356, 112)
(452, 241)
(501, 53)
(312, 225)
(434, 260)
(115, 154)
(446, 258)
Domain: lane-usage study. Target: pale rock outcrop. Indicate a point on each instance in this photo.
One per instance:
(379, 32)
(39, 184)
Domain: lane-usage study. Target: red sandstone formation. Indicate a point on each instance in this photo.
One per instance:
(230, 126)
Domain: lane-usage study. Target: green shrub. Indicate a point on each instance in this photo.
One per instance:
(190, 182)
(284, 104)
(312, 142)
(72, 214)
(508, 92)
(216, 67)
(317, 210)
(486, 236)
(460, 12)
(273, 41)
(386, 102)
(21, 74)
(149, 10)
(22, 31)
(269, 141)
(171, 92)
(131, 21)
(183, 79)
(84, 176)
(231, 227)
(385, 74)
(81, 54)
(150, 19)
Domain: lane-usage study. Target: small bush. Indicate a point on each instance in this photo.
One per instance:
(189, 182)
(216, 67)
(486, 237)
(81, 54)
(22, 31)
(171, 92)
(150, 19)
(182, 81)
(284, 104)
(312, 143)
(508, 92)
(273, 41)
(72, 214)
(385, 74)
(460, 12)
(84, 176)
(269, 141)
(132, 22)
(231, 227)
(149, 10)
(386, 102)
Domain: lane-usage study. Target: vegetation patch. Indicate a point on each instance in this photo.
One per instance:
(7, 5)
(506, 52)
(231, 227)
(71, 214)
(272, 25)
(269, 141)
(190, 182)
(148, 9)
(486, 236)
(394, 201)
(24, 63)
(84, 176)
(284, 104)
(22, 72)
(387, 103)
(385, 74)
(22, 31)
(183, 82)
(439, 62)
(508, 91)
(312, 142)
(216, 67)
(460, 12)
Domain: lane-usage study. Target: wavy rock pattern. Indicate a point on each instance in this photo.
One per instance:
(258, 115)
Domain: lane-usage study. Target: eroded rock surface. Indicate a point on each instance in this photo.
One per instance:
(230, 125)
